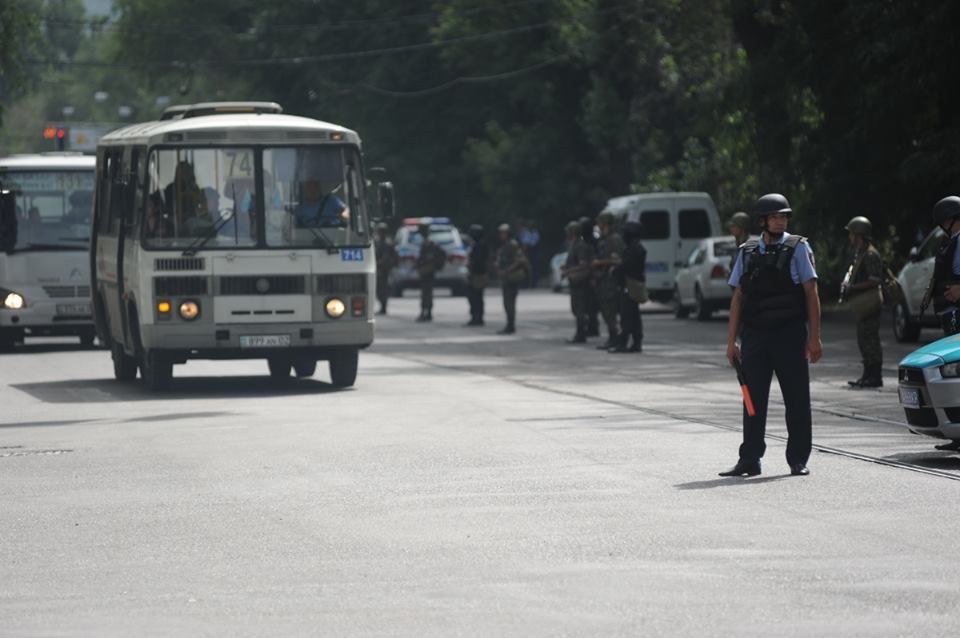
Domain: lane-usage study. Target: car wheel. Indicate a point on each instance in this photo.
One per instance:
(679, 310)
(905, 329)
(702, 309)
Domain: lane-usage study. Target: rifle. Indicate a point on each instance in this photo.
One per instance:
(747, 399)
(928, 295)
(845, 284)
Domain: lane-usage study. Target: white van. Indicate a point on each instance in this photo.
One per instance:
(673, 225)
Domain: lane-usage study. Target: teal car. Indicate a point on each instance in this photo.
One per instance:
(930, 389)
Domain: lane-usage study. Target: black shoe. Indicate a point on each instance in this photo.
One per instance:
(578, 338)
(952, 446)
(743, 468)
(423, 317)
(609, 343)
(799, 469)
(635, 348)
(871, 382)
(856, 384)
(618, 349)
(473, 322)
(593, 332)
(507, 330)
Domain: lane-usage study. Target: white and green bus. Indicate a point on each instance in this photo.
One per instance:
(44, 241)
(233, 231)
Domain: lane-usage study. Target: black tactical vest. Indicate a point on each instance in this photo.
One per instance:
(943, 274)
(770, 298)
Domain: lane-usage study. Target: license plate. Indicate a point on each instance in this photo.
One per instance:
(72, 309)
(910, 397)
(265, 341)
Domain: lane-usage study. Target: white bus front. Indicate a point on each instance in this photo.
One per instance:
(44, 266)
(244, 251)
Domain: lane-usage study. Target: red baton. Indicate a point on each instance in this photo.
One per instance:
(747, 399)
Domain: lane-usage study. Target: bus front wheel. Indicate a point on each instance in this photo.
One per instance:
(304, 369)
(124, 366)
(343, 367)
(156, 370)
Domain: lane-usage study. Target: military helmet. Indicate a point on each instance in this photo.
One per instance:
(741, 220)
(475, 231)
(946, 209)
(771, 204)
(586, 228)
(503, 228)
(572, 225)
(632, 230)
(859, 225)
(606, 217)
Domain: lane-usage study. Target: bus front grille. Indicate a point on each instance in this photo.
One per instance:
(179, 286)
(263, 285)
(166, 264)
(342, 284)
(67, 292)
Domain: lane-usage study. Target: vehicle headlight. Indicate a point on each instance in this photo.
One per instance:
(335, 308)
(13, 301)
(951, 370)
(189, 310)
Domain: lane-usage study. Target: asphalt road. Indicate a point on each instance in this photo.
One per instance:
(471, 484)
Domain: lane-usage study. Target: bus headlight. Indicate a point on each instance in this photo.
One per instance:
(335, 308)
(189, 310)
(13, 301)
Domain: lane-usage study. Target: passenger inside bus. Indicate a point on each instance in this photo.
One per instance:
(81, 206)
(186, 203)
(156, 223)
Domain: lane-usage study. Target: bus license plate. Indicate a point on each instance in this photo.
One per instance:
(265, 341)
(910, 397)
(73, 309)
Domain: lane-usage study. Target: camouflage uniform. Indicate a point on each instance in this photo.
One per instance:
(868, 328)
(580, 254)
(508, 255)
(386, 256)
(609, 247)
(427, 262)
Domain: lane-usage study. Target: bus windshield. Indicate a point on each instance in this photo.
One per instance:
(54, 208)
(208, 198)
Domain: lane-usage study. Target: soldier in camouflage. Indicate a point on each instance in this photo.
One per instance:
(609, 250)
(866, 274)
(512, 269)
(386, 256)
(578, 270)
(430, 261)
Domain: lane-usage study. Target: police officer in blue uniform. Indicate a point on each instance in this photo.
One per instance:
(776, 313)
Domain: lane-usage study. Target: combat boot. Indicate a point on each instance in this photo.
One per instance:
(858, 383)
(872, 377)
(423, 316)
(578, 338)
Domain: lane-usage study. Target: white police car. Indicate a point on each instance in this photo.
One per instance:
(408, 241)
(930, 389)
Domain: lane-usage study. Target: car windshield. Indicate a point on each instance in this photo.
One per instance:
(211, 198)
(54, 208)
(724, 249)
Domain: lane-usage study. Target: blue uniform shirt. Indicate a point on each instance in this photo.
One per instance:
(956, 257)
(801, 266)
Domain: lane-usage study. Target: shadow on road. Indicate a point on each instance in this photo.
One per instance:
(47, 348)
(40, 424)
(109, 390)
(729, 482)
(932, 460)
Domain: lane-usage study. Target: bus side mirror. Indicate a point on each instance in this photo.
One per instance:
(388, 203)
(914, 254)
(8, 221)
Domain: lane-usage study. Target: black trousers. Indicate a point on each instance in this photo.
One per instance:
(510, 291)
(426, 293)
(383, 291)
(475, 299)
(780, 350)
(631, 323)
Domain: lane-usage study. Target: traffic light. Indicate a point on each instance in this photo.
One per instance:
(58, 134)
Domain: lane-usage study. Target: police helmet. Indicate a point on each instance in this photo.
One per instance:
(771, 204)
(860, 225)
(741, 220)
(475, 231)
(946, 209)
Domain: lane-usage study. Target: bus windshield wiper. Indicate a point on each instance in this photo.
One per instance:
(201, 241)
